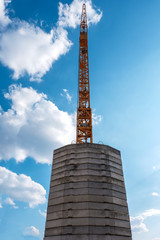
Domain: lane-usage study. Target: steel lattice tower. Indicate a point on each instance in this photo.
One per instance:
(84, 114)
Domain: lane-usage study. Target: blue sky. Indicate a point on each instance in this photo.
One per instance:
(38, 99)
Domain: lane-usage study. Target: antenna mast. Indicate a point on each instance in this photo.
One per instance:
(84, 114)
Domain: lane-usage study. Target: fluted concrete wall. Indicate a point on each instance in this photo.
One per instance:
(87, 199)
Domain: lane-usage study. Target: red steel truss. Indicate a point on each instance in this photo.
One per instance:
(84, 114)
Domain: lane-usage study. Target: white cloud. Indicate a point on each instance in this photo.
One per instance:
(140, 227)
(151, 212)
(96, 118)
(4, 19)
(31, 231)
(27, 49)
(33, 126)
(137, 222)
(42, 213)
(9, 201)
(0, 202)
(70, 15)
(155, 194)
(67, 95)
(21, 188)
(156, 168)
(156, 238)
(7, 1)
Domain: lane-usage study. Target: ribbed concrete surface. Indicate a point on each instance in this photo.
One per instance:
(87, 199)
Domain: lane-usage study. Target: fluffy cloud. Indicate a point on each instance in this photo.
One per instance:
(34, 50)
(9, 201)
(21, 188)
(155, 194)
(26, 48)
(156, 168)
(31, 231)
(96, 118)
(137, 222)
(33, 126)
(4, 19)
(0, 202)
(70, 15)
(66, 94)
(42, 213)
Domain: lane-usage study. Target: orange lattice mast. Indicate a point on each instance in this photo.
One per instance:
(84, 114)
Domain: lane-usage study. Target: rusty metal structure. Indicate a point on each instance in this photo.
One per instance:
(84, 113)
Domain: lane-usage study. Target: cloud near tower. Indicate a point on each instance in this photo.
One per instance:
(40, 48)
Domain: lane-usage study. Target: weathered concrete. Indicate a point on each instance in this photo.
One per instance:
(87, 199)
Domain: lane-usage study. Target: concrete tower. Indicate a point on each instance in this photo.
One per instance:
(87, 199)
